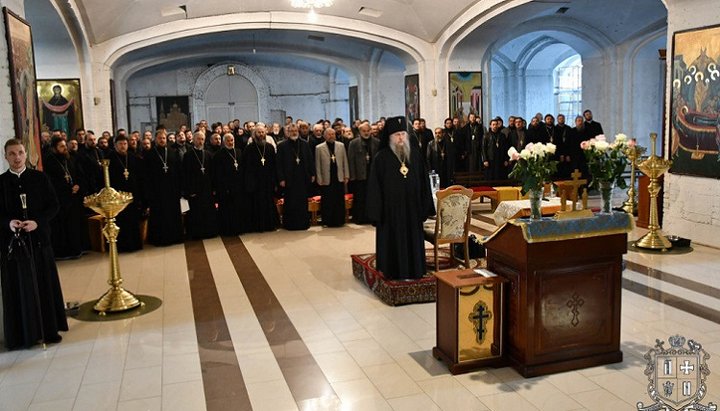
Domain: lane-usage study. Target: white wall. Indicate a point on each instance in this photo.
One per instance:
(692, 204)
(538, 93)
(55, 55)
(301, 94)
(390, 88)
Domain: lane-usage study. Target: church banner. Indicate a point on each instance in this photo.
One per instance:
(173, 112)
(412, 97)
(695, 102)
(465, 94)
(22, 85)
(60, 104)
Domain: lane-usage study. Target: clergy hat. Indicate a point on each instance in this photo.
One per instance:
(392, 125)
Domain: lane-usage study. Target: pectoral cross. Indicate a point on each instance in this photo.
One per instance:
(67, 178)
(332, 157)
(236, 165)
(202, 170)
(297, 160)
(367, 158)
(165, 168)
(262, 161)
(126, 173)
(442, 155)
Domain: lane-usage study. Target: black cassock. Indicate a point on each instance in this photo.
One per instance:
(69, 231)
(295, 166)
(130, 237)
(32, 302)
(259, 179)
(398, 206)
(332, 210)
(202, 219)
(162, 194)
(441, 159)
(229, 193)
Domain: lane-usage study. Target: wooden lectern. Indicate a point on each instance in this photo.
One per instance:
(563, 299)
(469, 319)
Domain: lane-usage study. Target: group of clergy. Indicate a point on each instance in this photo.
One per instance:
(470, 147)
(233, 175)
(230, 188)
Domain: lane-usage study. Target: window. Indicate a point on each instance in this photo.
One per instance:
(567, 77)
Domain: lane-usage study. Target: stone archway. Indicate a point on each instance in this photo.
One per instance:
(206, 78)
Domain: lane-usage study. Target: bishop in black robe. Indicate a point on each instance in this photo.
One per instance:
(260, 181)
(33, 307)
(162, 193)
(228, 186)
(69, 231)
(202, 219)
(126, 174)
(296, 173)
(399, 201)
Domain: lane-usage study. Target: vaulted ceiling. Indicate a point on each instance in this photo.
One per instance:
(424, 19)
(129, 21)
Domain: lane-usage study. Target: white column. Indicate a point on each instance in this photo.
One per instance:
(102, 114)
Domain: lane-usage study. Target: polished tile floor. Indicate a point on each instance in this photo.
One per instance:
(276, 321)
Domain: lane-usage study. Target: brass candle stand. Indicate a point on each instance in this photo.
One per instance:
(654, 167)
(109, 203)
(633, 154)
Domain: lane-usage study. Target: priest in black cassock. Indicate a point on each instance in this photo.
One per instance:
(89, 157)
(126, 174)
(33, 307)
(296, 173)
(228, 186)
(69, 232)
(441, 158)
(202, 219)
(162, 193)
(260, 181)
(361, 152)
(332, 175)
(399, 201)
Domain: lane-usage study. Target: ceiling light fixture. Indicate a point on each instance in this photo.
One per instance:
(311, 4)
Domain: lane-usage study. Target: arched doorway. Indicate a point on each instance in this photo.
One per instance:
(231, 97)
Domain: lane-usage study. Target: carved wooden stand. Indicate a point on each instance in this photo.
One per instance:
(563, 308)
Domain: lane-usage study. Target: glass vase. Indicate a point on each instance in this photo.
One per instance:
(535, 203)
(606, 190)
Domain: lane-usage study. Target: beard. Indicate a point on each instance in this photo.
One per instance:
(293, 138)
(402, 151)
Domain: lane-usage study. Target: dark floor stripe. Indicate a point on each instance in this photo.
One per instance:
(672, 300)
(674, 279)
(222, 379)
(302, 374)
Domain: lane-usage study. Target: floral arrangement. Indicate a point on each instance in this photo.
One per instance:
(606, 161)
(534, 165)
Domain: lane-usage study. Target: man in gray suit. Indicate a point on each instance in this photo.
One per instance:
(332, 174)
(360, 154)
